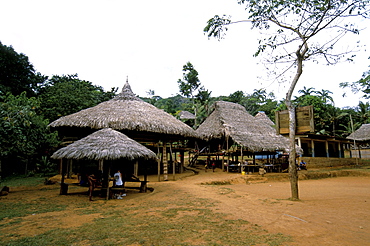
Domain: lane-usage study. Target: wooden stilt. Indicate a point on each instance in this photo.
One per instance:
(165, 162)
(107, 183)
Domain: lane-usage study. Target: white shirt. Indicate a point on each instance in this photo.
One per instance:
(118, 178)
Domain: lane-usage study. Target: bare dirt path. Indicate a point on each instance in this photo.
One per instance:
(333, 211)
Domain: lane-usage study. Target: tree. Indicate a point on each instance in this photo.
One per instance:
(67, 94)
(17, 74)
(190, 82)
(324, 95)
(306, 91)
(299, 31)
(23, 133)
(362, 85)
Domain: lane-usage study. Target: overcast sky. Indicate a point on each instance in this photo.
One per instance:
(149, 41)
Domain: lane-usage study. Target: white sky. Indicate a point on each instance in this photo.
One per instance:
(149, 41)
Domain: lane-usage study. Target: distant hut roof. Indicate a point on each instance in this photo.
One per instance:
(126, 112)
(105, 144)
(361, 134)
(186, 115)
(232, 120)
(262, 117)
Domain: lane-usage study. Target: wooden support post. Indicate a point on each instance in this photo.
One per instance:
(107, 182)
(136, 168)
(173, 160)
(165, 162)
(313, 148)
(69, 168)
(101, 165)
(159, 156)
(182, 158)
(228, 153)
(63, 186)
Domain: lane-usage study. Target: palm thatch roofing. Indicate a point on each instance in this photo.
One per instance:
(232, 120)
(361, 134)
(126, 112)
(105, 144)
(262, 116)
(186, 115)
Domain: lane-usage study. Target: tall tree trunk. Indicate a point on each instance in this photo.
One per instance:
(293, 174)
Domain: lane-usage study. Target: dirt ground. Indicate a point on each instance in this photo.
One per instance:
(332, 211)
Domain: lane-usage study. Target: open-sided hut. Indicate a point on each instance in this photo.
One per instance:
(230, 124)
(361, 141)
(130, 115)
(105, 144)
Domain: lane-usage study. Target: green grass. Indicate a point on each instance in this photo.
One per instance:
(188, 220)
(20, 209)
(18, 181)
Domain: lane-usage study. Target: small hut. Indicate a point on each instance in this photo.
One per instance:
(186, 115)
(230, 124)
(361, 134)
(102, 145)
(361, 142)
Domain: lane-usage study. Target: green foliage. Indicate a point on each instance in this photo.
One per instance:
(362, 85)
(45, 167)
(67, 94)
(17, 74)
(259, 100)
(190, 81)
(23, 132)
(216, 26)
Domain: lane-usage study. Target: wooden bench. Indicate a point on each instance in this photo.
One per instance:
(143, 185)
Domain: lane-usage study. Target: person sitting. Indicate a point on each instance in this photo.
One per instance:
(118, 182)
(302, 165)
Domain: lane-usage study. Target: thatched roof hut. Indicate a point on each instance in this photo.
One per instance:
(361, 134)
(232, 120)
(129, 114)
(105, 144)
(186, 115)
(262, 117)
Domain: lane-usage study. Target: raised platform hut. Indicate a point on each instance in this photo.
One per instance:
(105, 145)
(137, 119)
(231, 132)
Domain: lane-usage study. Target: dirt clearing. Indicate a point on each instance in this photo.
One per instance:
(332, 211)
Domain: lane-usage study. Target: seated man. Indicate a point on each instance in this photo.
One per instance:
(302, 165)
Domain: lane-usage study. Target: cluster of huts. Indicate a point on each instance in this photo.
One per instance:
(132, 135)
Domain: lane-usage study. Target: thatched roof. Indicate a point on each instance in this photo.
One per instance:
(186, 115)
(361, 134)
(105, 144)
(126, 112)
(262, 117)
(232, 120)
